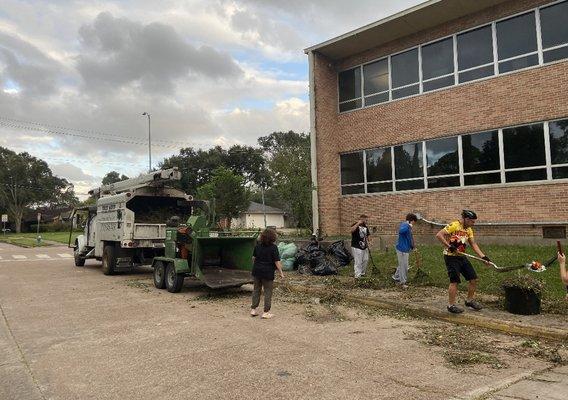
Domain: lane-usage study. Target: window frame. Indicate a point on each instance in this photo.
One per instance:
(493, 24)
(502, 171)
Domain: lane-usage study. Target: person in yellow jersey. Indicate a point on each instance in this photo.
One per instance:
(455, 236)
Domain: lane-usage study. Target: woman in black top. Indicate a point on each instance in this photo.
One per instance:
(266, 259)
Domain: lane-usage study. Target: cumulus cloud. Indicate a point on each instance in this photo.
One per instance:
(119, 51)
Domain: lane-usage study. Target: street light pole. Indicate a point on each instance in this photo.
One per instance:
(149, 143)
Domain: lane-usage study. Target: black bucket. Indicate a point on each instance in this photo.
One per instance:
(522, 301)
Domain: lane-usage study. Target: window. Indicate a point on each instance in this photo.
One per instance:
(408, 164)
(554, 28)
(523, 148)
(558, 131)
(352, 180)
(481, 154)
(475, 54)
(438, 65)
(516, 42)
(376, 76)
(350, 89)
(405, 76)
(379, 170)
(442, 160)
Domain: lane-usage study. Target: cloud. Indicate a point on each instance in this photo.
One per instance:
(118, 52)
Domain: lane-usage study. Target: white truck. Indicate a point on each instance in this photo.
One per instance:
(127, 227)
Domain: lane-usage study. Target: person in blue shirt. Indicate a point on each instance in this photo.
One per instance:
(404, 246)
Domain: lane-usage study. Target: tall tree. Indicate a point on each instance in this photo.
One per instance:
(229, 192)
(112, 177)
(288, 155)
(28, 182)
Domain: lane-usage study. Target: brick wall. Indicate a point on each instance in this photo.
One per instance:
(523, 97)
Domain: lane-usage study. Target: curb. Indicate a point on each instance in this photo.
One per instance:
(513, 328)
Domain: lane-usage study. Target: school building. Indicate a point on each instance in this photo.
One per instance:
(448, 105)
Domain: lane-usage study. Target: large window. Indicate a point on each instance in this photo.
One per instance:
(534, 38)
(481, 158)
(379, 170)
(475, 54)
(352, 179)
(408, 165)
(516, 42)
(376, 76)
(405, 75)
(536, 152)
(442, 162)
(558, 132)
(350, 89)
(554, 27)
(438, 65)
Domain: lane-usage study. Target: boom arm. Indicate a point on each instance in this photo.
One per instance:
(157, 178)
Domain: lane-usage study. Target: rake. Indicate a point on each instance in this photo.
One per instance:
(528, 266)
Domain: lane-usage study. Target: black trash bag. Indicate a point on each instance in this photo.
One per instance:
(312, 246)
(305, 269)
(302, 258)
(325, 265)
(340, 252)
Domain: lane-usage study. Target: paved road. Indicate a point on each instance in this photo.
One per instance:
(73, 333)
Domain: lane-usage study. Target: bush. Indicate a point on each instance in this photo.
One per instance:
(52, 227)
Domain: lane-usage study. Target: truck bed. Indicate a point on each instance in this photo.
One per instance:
(217, 277)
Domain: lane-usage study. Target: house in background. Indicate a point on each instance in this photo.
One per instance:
(253, 217)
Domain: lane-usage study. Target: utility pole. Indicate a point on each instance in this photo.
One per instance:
(149, 143)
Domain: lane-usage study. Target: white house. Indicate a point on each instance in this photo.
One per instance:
(253, 217)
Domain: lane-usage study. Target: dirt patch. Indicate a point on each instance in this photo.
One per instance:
(143, 284)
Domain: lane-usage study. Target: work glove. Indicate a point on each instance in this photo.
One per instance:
(452, 248)
(486, 259)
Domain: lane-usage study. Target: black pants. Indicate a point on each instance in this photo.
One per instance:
(267, 284)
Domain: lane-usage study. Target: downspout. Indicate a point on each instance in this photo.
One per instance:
(313, 145)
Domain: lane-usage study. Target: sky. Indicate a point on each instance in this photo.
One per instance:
(76, 76)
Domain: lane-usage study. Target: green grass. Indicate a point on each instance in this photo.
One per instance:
(28, 239)
(489, 279)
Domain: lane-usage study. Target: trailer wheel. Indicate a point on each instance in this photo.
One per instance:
(159, 275)
(79, 261)
(174, 282)
(109, 259)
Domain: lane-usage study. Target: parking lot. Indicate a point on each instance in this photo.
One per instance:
(73, 333)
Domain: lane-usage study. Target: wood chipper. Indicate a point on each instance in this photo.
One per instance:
(218, 259)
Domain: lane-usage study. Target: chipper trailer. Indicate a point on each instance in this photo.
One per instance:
(218, 259)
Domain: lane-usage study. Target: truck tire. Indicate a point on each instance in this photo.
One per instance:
(109, 259)
(79, 261)
(159, 275)
(174, 282)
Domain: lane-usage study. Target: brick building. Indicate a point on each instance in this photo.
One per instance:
(451, 104)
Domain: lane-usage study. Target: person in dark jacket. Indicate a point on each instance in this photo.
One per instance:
(266, 260)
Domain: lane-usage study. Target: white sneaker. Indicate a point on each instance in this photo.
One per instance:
(267, 315)
(253, 312)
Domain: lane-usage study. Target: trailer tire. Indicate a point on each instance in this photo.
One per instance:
(79, 261)
(109, 259)
(174, 282)
(159, 275)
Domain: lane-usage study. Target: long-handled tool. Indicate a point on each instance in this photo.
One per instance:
(371, 258)
(533, 267)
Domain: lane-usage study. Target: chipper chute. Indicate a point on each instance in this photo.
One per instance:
(218, 259)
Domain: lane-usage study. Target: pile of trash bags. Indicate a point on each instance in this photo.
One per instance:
(287, 253)
(313, 260)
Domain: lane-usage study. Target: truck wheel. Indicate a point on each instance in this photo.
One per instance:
(79, 261)
(160, 275)
(109, 259)
(174, 282)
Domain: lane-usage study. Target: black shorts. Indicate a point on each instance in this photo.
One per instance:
(459, 265)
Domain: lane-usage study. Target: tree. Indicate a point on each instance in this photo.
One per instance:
(229, 192)
(288, 155)
(113, 177)
(197, 166)
(28, 182)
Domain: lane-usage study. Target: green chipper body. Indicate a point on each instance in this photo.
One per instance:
(218, 259)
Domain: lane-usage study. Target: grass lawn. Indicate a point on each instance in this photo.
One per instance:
(489, 279)
(28, 239)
